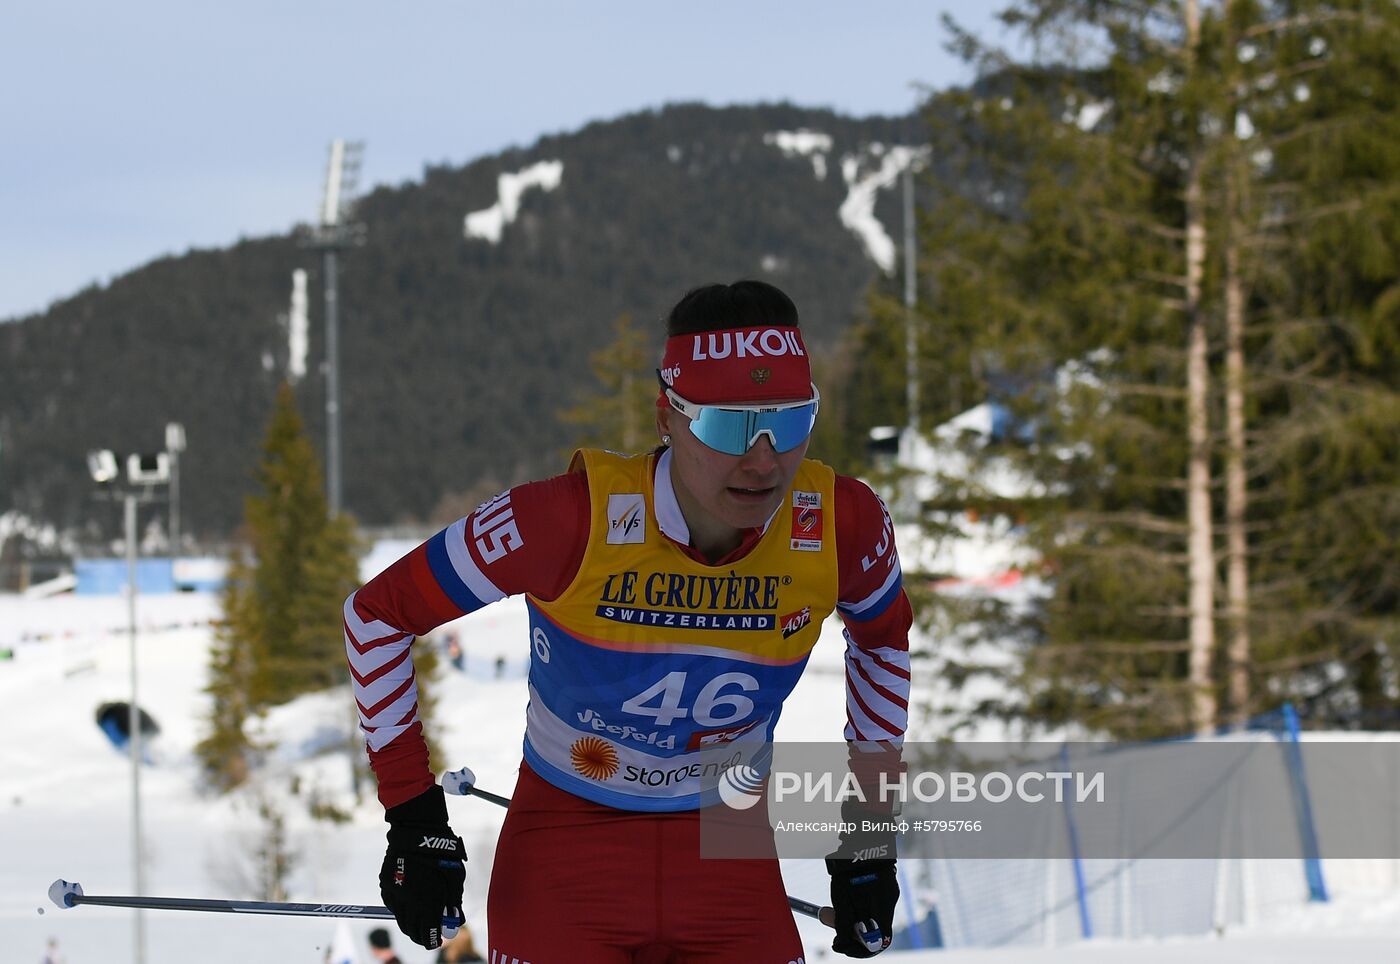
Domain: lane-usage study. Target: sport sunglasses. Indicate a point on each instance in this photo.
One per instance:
(733, 429)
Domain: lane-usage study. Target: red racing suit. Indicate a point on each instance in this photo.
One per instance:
(613, 865)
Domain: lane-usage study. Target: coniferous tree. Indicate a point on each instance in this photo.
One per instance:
(302, 566)
(1317, 202)
(282, 633)
(617, 415)
(1214, 176)
(226, 748)
(1059, 253)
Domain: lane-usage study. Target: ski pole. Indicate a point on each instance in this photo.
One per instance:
(65, 894)
(462, 783)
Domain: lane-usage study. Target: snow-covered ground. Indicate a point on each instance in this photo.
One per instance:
(65, 793)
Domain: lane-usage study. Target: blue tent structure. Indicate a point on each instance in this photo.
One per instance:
(114, 719)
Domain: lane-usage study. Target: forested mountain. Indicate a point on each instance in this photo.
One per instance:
(458, 350)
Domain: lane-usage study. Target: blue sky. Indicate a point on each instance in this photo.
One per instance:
(134, 130)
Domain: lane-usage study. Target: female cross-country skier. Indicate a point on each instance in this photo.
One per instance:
(674, 599)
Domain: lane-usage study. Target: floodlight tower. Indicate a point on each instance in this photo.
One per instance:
(143, 474)
(911, 336)
(907, 503)
(332, 233)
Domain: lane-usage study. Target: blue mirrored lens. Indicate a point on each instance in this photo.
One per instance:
(733, 431)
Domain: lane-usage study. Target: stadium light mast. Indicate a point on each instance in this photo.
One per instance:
(907, 503)
(143, 474)
(911, 335)
(331, 234)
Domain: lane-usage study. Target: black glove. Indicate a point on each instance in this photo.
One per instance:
(863, 894)
(424, 869)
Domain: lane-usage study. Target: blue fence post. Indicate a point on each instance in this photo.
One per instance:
(1086, 926)
(1307, 830)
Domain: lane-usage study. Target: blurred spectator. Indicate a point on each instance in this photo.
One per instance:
(380, 948)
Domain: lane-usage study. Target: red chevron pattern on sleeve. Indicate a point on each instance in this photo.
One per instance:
(877, 693)
(527, 539)
(876, 611)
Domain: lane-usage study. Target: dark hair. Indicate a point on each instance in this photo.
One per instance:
(743, 304)
(379, 937)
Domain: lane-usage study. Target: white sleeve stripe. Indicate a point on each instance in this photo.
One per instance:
(859, 607)
(465, 566)
(869, 729)
(877, 701)
(371, 659)
(853, 737)
(383, 736)
(365, 633)
(380, 690)
(363, 673)
(877, 736)
(873, 660)
(891, 716)
(372, 693)
(390, 715)
(878, 675)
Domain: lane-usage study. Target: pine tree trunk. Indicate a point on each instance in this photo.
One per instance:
(1236, 493)
(1200, 550)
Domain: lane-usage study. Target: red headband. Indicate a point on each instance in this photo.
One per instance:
(737, 365)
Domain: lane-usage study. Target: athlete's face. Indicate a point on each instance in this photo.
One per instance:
(726, 493)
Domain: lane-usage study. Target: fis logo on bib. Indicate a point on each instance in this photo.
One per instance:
(627, 518)
(806, 521)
